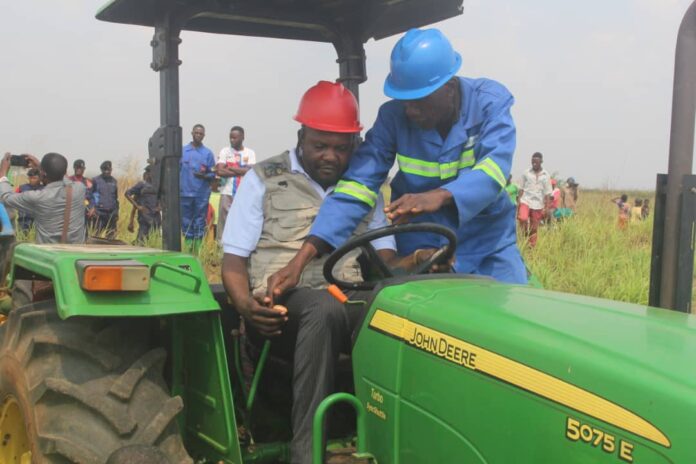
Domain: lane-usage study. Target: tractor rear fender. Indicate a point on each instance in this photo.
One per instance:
(168, 283)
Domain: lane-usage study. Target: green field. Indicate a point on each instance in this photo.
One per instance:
(589, 255)
(586, 254)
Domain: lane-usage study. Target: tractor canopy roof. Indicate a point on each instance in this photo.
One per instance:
(313, 20)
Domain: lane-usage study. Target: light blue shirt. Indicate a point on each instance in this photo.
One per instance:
(245, 220)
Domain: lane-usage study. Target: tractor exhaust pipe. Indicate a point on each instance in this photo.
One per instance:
(681, 150)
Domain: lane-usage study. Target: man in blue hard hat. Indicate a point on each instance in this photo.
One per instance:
(453, 139)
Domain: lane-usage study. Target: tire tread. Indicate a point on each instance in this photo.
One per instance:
(88, 394)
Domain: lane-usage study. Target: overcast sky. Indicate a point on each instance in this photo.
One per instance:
(592, 81)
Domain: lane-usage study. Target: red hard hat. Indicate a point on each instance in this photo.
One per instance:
(329, 107)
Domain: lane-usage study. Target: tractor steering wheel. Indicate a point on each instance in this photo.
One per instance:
(442, 255)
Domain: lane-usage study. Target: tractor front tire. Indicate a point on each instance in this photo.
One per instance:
(85, 388)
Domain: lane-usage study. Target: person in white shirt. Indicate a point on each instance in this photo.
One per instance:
(534, 197)
(269, 219)
(232, 164)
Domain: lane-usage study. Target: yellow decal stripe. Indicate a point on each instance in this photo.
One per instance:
(476, 358)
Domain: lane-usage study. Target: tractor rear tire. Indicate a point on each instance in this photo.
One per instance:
(87, 387)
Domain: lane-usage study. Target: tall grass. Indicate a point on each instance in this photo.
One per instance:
(589, 255)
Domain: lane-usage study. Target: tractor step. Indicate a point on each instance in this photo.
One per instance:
(345, 456)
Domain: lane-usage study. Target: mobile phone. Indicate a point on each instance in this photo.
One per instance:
(19, 160)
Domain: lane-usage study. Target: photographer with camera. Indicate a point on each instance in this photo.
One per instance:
(58, 208)
(25, 221)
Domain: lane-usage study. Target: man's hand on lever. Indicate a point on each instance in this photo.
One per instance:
(257, 310)
(418, 257)
(288, 277)
(266, 318)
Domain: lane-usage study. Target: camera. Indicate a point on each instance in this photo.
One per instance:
(19, 160)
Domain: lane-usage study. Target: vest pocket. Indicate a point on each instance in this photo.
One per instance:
(291, 219)
(291, 229)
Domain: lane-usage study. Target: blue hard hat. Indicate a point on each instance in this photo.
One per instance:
(422, 61)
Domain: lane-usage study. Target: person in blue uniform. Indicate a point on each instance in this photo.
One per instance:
(453, 139)
(143, 197)
(104, 194)
(197, 164)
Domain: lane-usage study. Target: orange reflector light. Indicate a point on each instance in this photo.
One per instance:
(337, 293)
(110, 277)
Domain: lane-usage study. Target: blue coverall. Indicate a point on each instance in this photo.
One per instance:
(104, 193)
(195, 192)
(473, 163)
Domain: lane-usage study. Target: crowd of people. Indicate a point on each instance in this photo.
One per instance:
(631, 214)
(54, 205)
(540, 199)
(100, 194)
(203, 178)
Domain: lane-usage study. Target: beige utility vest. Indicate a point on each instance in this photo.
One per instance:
(290, 205)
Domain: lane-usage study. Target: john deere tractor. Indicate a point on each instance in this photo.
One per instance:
(124, 351)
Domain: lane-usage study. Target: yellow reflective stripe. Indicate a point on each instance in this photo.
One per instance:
(467, 159)
(448, 170)
(357, 190)
(417, 167)
(467, 355)
(492, 169)
(422, 168)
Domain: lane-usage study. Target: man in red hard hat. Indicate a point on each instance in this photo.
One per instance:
(272, 213)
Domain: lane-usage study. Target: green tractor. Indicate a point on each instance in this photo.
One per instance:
(123, 349)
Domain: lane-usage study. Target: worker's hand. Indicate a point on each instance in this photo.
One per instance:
(199, 175)
(424, 254)
(410, 205)
(268, 319)
(5, 164)
(91, 212)
(131, 227)
(141, 209)
(418, 257)
(285, 279)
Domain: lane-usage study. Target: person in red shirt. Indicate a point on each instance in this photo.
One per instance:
(79, 176)
(624, 210)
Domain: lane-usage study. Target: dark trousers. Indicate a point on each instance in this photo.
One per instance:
(106, 222)
(25, 222)
(318, 330)
(147, 223)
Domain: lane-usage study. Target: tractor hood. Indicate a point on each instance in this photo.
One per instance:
(479, 347)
